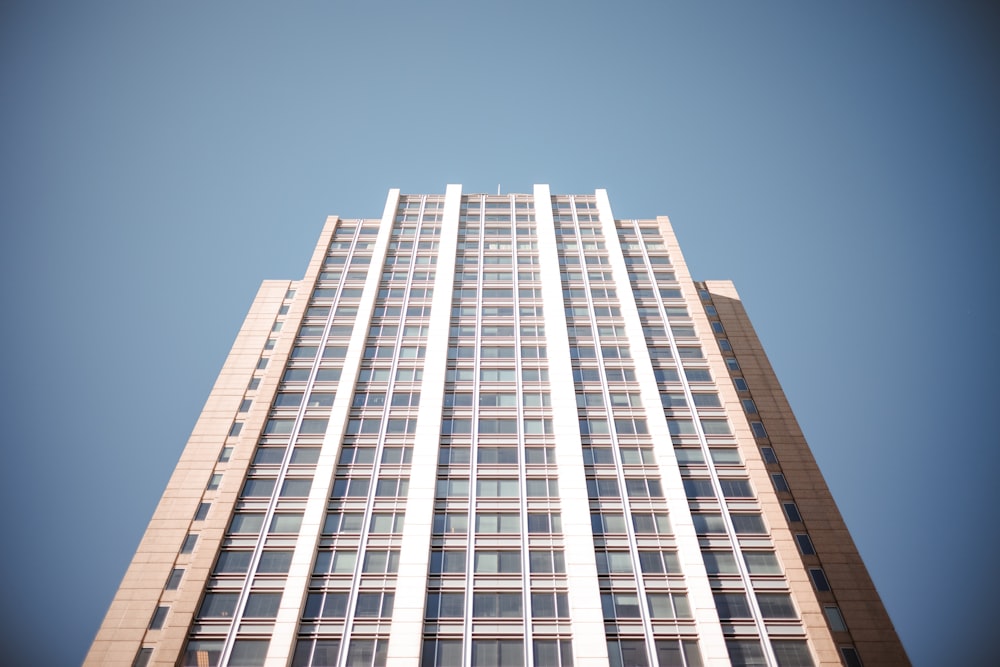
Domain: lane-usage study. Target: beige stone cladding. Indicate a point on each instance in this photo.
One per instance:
(126, 626)
(870, 630)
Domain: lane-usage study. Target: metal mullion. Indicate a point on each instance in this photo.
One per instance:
(241, 602)
(379, 447)
(619, 468)
(521, 466)
(706, 452)
(473, 445)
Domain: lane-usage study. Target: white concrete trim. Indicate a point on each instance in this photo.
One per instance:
(406, 639)
(590, 647)
(711, 641)
(286, 624)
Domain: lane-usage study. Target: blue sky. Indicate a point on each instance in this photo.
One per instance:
(838, 161)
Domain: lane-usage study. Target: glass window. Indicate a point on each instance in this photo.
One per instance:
(736, 488)
(792, 653)
(452, 487)
(143, 657)
(606, 522)
(715, 427)
(541, 488)
(335, 562)
(367, 653)
(659, 562)
(200, 652)
(374, 605)
(447, 562)
(258, 487)
(805, 544)
(732, 605)
(835, 618)
(498, 562)
(792, 512)
(159, 618)
(651, 523)
(490, 522)
(285, 523)
(627, 653)
(387, 522)
(305, 455)
(539, 455)
(269, 456)
(698, 488)
(447, 523)
(698, 375)
(706, 400)
(819, 579)
(620, 605)
(669, 652)
(851, 657)
(296, 488)
(762, 562)
(668, 605)
(262, 605)
(776, 605)
(246, 523)
(497, 455)
(325, 605)
(780, 484)
(441, 653)
(546, 562)
(232, 562)
(497, 653)
(214, 481)
(614, 562)
(496, 605)
(719, 562)
(175, 579)
(189, 543)
(445, 605)
(745, 653)
(202, 511)
(549, 605)
(381, 562)
(317, 652)
(728, 456)
(218, 605)
(274, 562)
(748, 524)
(552, 652)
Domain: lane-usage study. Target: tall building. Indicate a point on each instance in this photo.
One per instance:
(497, 431)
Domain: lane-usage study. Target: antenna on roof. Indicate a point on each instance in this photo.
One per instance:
(498, 188)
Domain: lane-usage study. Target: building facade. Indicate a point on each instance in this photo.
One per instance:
(496, 430)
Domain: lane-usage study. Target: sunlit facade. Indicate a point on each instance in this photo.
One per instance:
(497, 431)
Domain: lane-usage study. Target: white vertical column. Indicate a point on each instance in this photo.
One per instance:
(282, 645)
(590, 647)
(712, 643)
(411, 581)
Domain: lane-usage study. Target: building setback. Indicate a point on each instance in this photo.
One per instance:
(497, 430)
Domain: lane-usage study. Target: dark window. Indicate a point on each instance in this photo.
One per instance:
(819, 579)
(142, 658)
(175, 579)
(159, 618)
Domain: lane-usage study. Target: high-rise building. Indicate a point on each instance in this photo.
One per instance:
(490, 431)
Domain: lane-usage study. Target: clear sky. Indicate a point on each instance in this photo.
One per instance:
(838, 161)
